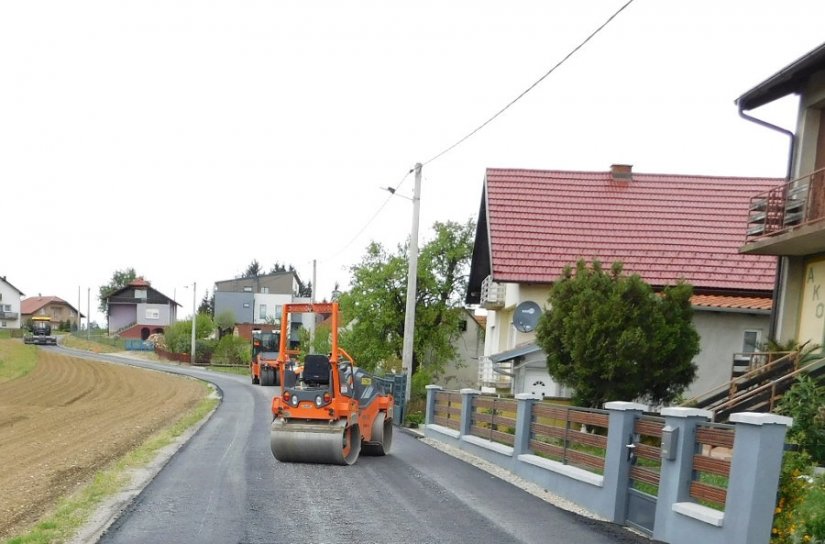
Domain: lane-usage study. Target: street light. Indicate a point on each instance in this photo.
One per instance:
(412, 280)
(194, 318)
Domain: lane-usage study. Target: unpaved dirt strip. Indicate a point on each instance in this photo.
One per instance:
(71, 417)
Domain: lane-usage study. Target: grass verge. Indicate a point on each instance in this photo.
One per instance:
(240, 370)
(16, 359)
(72, 512)
(71, 341)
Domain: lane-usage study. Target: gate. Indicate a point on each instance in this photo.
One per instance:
(397, 385)
(644, 452)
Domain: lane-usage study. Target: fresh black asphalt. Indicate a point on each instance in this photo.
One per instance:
(224, 486)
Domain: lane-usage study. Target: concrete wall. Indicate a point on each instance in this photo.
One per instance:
(154, 315)
(121, 315)
(242, 305)
(470, 345)
(721, 335)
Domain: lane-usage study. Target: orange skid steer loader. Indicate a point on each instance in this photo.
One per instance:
(331, 411)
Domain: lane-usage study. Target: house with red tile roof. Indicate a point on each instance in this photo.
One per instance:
(138, 310)
(9, 305)
(58, 310)
(787, 220)
(663, 227)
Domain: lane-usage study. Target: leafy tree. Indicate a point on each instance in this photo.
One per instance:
(376, 303)
(178, 336)
(225, 322)
(805, 403)
(120, 279)
(320, 343)
(610, 337)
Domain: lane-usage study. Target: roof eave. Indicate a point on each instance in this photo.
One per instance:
(787, 81)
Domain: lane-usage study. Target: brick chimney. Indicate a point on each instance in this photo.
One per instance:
(621, 172)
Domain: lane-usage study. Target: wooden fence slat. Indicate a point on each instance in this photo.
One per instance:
(551, 431)
(649, 427)
(444, 422)
(589, 418)
(644, 474)
(547, 449)
(644, 451)
(715, 436)
(552, 412)
(711, 465)
(586, 459)
(596, 440)
(707, 492)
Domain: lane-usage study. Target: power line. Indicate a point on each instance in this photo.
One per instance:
(531, 87)
(383, 205)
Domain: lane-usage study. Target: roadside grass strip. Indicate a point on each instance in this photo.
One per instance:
(240, 370)
(73, 511)
(16, 359)
(71, 341)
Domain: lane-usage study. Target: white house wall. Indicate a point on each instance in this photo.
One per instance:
(273, 302)
(9, 296)
(721, 335)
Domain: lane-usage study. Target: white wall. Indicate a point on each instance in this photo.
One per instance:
(721, 335)
(9, 296)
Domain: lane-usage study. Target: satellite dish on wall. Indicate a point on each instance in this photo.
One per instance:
(526, 316)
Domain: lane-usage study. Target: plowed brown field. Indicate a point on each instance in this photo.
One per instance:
(71, 417)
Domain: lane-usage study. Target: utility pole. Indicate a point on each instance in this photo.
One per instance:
(412, 281)
(89, 312)
(77, 322)
(194, 316)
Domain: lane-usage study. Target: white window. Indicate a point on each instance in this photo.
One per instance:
(262, 311)
(279, 309)
(246, 305)
(140, 293)
(3, 324)
(5, 307)
(750, 342)
(152, 313)
(247, 289)
(265, 290)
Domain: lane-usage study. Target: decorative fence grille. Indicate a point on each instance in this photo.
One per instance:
(711, 464)
(494, 419)
(573, 436)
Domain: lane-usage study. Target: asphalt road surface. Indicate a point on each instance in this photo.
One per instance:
(224, 486)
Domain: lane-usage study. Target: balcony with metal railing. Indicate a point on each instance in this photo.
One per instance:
(788, 219)
(8, 315)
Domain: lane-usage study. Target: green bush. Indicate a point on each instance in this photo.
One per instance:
(811, 513)
(805, 403)
(420, 380)
(232, 350)
(796, 467)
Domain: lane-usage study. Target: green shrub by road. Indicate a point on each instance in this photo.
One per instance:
(16, 359)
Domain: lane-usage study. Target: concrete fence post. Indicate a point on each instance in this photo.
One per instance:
(467, 396)
(429, 414)
(620, 433)
(524, 417)
(676, 474)
(754, 475)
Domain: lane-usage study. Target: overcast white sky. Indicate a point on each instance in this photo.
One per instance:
(186, 138)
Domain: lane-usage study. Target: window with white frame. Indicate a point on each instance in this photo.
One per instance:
(750, 341)
(152, 313)
(262, 311)
(265, 290)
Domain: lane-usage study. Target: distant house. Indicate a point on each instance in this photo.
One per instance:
(532, 224)
(138, 310)
(58, 310)
(259, 300)
(9, 305)
(463, 372)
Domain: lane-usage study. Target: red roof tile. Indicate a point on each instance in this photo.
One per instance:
(733, 303)
(662, 227)
(33, 304)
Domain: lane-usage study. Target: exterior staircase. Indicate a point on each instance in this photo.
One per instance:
(760, 388)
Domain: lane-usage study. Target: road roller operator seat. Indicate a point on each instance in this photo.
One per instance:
(316, 370)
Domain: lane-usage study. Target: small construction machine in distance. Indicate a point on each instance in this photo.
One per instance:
(264, 364)
(41, 332)
(329, 411)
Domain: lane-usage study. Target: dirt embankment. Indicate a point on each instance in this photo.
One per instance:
(68, 419)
